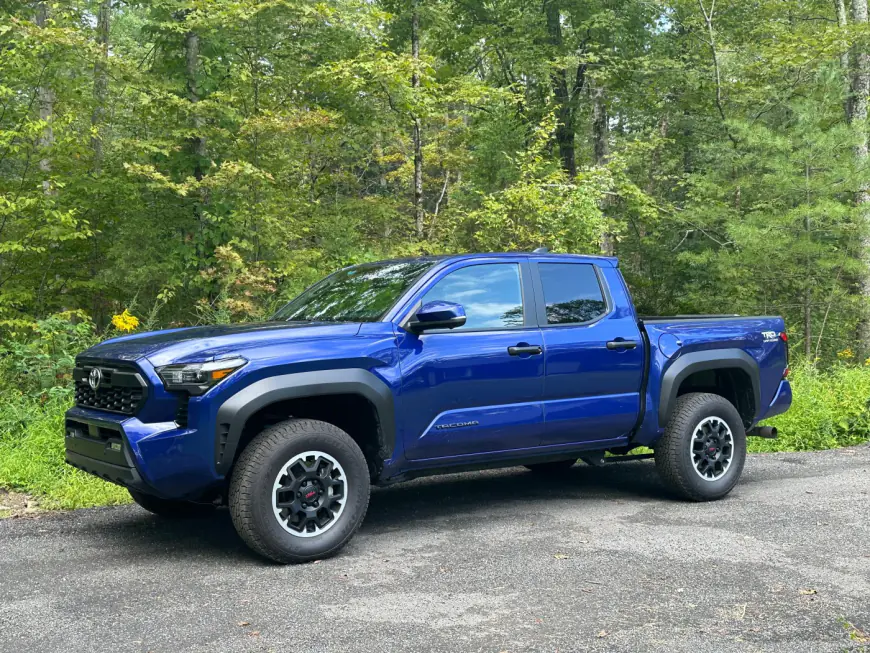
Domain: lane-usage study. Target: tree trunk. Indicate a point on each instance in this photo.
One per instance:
(441, 197)
(808, 293)
(664, 127)
(45, 98)
(191, 54)
(601, 150)
(101, 82)
(717, 71)
(600, 125)
(845, 59)
(564, 109)
(101, 87)
(418, 129)
(861, 88)
(808, 326)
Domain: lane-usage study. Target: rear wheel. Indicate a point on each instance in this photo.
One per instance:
(299, 491)
(171, 507)
(703, 450)
(557, 467)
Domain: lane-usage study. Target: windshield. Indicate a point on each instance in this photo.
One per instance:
(362, 293)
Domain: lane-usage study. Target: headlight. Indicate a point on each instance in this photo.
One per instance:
(196, 378)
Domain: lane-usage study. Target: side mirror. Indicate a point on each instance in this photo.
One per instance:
(438, 315)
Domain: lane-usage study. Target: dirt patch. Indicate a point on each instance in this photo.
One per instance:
(13, 504)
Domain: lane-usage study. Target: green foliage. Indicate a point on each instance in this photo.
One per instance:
(38, 362)
(541, 207)
(36, 384)
(215, 158)
(32, 456)
(831, 409)
(218, 185)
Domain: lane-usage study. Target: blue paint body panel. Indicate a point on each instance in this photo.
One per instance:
(592, 392)
(781, 400)
(480, 429)
(460, 397)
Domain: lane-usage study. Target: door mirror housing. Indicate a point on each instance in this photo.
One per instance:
(438, 315)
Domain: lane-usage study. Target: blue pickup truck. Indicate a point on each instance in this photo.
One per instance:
(384, 372)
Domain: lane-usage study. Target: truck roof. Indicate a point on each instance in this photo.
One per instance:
(608, 261)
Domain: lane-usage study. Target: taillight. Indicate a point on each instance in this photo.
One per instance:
(785, 373)
(783, 336)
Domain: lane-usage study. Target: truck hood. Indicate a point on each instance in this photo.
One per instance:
(205, 343)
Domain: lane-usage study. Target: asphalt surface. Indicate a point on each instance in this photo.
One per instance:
(603, 560)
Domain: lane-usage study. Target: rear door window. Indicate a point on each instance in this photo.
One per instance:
(572, 293)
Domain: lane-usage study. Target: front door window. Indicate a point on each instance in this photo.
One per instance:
(491, 295)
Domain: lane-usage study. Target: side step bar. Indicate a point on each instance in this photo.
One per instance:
(635, 456)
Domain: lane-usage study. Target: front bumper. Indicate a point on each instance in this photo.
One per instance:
(126, 475)
(162, 459)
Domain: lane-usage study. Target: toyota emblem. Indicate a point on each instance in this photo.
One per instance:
(95, 378)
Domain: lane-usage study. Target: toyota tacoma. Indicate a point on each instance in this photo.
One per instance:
(388, 371)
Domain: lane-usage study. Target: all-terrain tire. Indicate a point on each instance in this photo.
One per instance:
(674, 455)
(252, 490)
(171, 508)
(553, 468)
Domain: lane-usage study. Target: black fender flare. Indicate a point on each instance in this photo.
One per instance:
(700, 361)
(235, 411)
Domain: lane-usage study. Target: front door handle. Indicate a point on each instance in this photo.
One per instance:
(534, 350)
(621, 344)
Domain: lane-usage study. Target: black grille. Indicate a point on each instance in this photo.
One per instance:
(121, 388)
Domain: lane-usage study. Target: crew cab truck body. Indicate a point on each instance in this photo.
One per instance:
(387, 371)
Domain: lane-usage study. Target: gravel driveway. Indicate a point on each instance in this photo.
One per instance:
(498, 561)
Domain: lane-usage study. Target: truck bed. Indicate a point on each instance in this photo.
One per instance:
(691, 318)
(682, 345)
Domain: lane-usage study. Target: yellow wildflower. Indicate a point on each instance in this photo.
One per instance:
(846, 353)
(125, 321)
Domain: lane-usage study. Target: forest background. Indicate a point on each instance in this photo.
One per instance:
(177, 162)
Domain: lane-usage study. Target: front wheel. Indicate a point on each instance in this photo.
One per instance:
(299, 491)
(701, 454)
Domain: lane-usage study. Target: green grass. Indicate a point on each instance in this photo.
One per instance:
(32, 457)
(830, 410)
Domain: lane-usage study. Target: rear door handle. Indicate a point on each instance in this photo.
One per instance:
(621, 344)
(534, 350)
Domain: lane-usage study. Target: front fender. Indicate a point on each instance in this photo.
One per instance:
(235, 411)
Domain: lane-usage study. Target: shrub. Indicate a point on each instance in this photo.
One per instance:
(35, 382)
(831, 408)
(40, 362)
